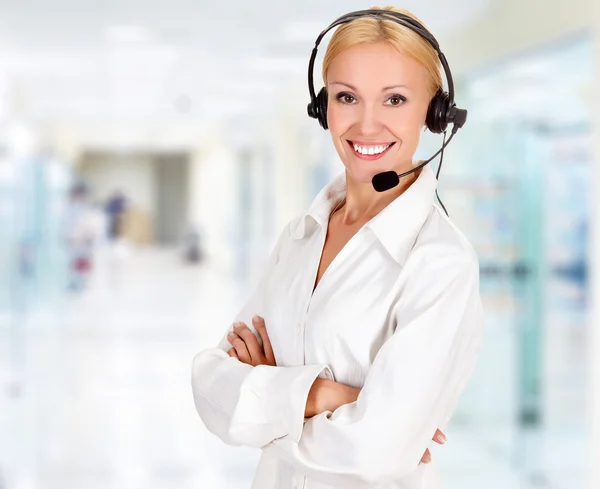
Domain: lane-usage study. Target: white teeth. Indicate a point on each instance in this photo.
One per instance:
(370, 150)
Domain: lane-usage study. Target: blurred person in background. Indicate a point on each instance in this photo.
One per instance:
(192, 246)
(83, 230)
(363, 331)
(115, 207)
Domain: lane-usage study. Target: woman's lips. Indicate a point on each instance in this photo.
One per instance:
(369, 157)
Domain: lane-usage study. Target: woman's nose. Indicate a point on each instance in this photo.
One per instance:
(369, 121)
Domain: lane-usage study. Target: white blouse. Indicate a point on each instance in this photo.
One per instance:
(397, 313)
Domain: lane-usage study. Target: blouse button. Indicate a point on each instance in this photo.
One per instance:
(299, 328)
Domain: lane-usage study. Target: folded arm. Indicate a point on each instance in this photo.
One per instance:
(412, 388)
(246, 405)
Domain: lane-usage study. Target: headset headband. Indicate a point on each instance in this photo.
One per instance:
(397, 17)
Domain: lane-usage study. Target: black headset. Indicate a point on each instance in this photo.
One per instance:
(442, 109)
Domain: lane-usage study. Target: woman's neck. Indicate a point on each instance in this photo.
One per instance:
(362, 202)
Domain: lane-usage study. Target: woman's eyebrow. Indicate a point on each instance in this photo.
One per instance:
(354, 88)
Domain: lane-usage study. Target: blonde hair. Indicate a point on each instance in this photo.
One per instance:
(403, 39)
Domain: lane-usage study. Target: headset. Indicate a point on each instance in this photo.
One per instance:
(442, 109)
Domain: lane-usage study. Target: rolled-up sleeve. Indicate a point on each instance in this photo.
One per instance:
(412, 388)
(246, 405)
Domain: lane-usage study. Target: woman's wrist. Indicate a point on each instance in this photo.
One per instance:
(315, 397)
(328, 395)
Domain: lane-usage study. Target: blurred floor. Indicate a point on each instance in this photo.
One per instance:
(106, 399)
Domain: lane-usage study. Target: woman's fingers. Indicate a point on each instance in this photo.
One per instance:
(251, 341)
(259, 324)
(426, 457)
(247, 337)
(240, 346)
(241, 350)
(439, 437)
(247, 345)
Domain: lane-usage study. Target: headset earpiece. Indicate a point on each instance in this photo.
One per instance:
(317, 108)
(322, 104)
(438, 112)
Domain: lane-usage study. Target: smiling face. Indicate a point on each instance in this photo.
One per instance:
(377, 104)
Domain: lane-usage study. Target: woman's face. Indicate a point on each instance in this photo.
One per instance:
(377, 100)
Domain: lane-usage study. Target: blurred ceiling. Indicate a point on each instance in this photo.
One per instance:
(84, 61)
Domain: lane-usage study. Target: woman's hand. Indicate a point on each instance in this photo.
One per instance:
(439, 438)
(246, 347)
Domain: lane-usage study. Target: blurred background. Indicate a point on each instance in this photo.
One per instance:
(150, 154)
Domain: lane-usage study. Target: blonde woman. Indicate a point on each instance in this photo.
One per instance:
(361, 335)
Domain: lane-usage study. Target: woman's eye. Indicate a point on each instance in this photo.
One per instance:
(345, 98)
(396, 100)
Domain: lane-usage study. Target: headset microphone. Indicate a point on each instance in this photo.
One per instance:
(389, 179)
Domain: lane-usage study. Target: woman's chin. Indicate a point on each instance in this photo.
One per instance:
(363, 173)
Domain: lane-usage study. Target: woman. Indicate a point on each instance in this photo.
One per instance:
(363, 331)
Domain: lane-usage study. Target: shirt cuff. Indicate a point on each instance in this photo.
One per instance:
(284, 393)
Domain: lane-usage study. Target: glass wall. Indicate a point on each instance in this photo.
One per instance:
(516, 183)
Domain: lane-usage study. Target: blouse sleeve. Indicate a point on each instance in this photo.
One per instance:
(246, 405)
(412, 388)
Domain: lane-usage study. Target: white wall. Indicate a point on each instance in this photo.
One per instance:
(213, 201)
(290, 166)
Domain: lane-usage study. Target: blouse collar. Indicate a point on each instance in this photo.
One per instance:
(396, 226)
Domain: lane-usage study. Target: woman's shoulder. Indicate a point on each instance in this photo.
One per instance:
(292, 231)
(441, 243)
